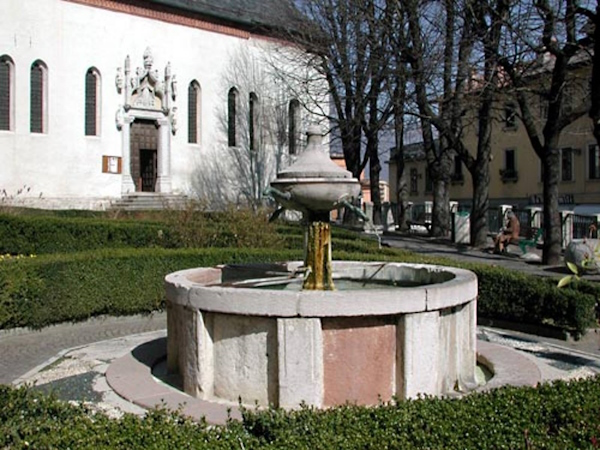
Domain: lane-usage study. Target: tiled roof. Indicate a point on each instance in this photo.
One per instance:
(270, 14)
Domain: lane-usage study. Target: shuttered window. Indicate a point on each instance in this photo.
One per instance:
(91, 103)
(37, 98)
(5, 93)
(593, 162)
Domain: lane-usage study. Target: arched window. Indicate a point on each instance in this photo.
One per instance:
(253, 121)
(38, 100)
(7, 89)
(232, 98)
(194, 112)
(92, 102)
(293, 126)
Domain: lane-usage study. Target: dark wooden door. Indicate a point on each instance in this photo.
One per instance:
(144, 145)
(148, 169)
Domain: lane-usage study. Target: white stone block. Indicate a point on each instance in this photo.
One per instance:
(418, 349)
(300, 347)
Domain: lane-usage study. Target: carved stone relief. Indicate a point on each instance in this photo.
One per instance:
(145, 89)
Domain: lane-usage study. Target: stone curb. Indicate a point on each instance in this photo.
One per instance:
(508, 366)
(131, 377)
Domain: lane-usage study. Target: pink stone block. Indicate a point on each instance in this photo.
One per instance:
(359, 360)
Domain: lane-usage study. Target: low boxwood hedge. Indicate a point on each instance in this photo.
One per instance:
(36, 292)
(562, 415)
(43, 235)
(31, 234)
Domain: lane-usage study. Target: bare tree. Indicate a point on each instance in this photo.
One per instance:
(254, 122)
(592, 41)
(440, 96)
(397, 88)
(488, 18)
(542, 49)
(347, 45)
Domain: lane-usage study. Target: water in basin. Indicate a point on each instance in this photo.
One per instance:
(341, 284)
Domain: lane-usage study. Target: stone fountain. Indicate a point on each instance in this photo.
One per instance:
(283, 334)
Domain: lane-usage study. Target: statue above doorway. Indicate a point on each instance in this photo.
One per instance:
(144, 89)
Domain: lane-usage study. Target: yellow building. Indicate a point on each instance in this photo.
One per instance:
(515, 169)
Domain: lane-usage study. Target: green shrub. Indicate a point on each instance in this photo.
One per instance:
(42, 235)
(560, 415)
(503, 294)
(237, 228)
(518, 297)
(68, 287)
(25, 234)
(71, 287)
(31, 420)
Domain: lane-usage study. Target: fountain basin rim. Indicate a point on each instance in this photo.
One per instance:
(196, 288)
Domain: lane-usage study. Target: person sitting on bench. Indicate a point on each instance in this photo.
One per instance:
(508, 233)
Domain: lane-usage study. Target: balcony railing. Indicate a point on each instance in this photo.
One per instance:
(457, 178)
(509, 175)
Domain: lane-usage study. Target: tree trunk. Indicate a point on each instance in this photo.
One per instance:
(374, 171)
(440, 220)
(595, 82)
(552, 224)
(481, 203)
(401, 191)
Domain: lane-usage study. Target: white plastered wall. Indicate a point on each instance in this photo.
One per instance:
(63, 165)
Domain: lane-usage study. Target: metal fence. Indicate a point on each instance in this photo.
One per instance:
(574, 226)
(582, 226)
(494, 219)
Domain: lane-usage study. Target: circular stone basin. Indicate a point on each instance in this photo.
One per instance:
(281, 347)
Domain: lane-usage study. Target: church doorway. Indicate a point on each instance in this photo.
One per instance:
(144, 154)
(148, 169)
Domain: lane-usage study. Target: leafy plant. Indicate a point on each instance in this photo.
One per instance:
(554, 416)
(589, 262)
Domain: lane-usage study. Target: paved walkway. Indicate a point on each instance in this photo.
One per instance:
(24, 350)
(530, 263)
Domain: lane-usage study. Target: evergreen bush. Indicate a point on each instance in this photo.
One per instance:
(561, 415)
(71, 287)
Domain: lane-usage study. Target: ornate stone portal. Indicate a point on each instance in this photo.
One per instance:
(147, 97)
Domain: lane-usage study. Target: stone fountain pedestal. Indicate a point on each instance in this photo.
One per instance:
(323, 348)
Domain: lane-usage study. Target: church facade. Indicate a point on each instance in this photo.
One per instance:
(102, 99)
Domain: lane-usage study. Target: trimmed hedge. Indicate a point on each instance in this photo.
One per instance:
(71, 287)
(553, 416)
(35, 292)
(110, 281)
(42, 235)
(38, 235)
(518, 297)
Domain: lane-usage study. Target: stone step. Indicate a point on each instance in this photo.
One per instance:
(142, 202)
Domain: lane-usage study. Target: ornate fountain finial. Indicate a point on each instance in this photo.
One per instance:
(315, 185)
